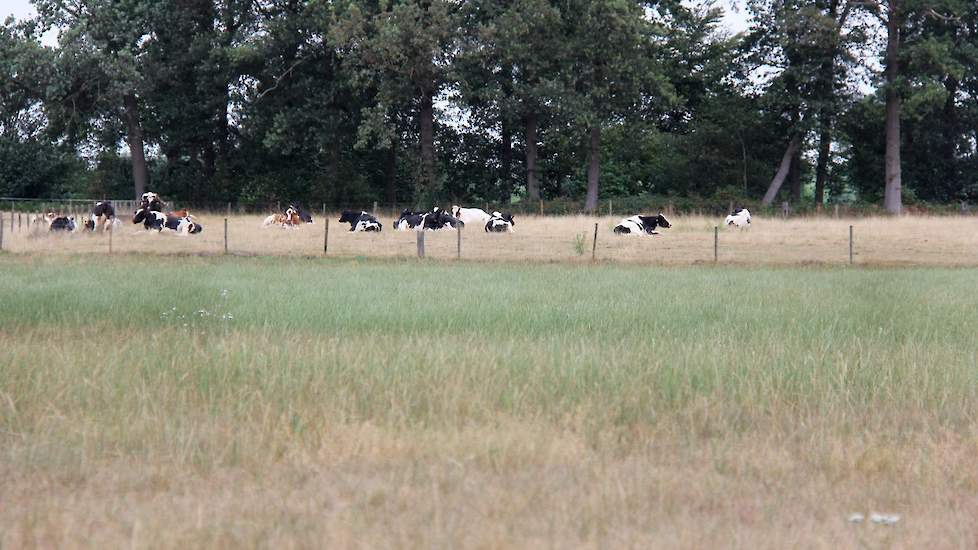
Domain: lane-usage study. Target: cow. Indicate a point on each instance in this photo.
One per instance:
(102, 218)
(438, 219)
(152, 201)
(637, 225)
(739, 218)
(360, 221)
(500, 223)
(409, 220)
(62, 223)
(293, 216)
(152, 220)
(182, 226)
(470, 215)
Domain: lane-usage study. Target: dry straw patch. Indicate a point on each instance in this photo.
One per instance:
(879, 241)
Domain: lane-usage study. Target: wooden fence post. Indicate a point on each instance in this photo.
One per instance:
(850, 245)
(594, 244)
(609, 207)
(325, 233)
(1, 230)
(541, 207)
(421, 244)
(459, 243)
(784, 209)
(716, 244)
(836, 211)
(20, 221)
(374, 211)
(226, 235)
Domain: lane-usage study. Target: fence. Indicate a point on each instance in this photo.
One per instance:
(692, 240)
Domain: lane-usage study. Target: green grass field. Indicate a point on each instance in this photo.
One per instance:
(166, 402)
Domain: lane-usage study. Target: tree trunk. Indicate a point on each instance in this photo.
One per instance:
(506, 161)
(427, 143)
(593, 170)
(950, 133)
(532, 186)
(892, 192)
(782, 173)
(822, 168)
(140, 175)
(794, 177)
(392, 173)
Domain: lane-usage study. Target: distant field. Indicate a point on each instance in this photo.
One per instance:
(904, 241)
(288, 402)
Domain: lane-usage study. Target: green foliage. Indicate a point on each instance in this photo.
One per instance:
(247, 101)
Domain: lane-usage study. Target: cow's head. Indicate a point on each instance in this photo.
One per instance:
(508, 217)
(194, 228)
(349, 216)
(139, 216)
(663, 222)
(456, 210)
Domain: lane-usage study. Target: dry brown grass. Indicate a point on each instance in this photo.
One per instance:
(909, 240)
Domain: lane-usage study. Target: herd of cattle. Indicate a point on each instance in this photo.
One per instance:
(153, 216)
(150, 213)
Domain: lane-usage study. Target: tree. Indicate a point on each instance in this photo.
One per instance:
(405, 52)
(613, 68)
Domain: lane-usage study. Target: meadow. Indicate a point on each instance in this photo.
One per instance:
(878, 241)
(341, 402)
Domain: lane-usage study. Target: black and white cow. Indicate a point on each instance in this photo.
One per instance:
(157, 221)
(360, 221)
(470, 215)
(409, 220)
(638, 225)
(63, 223)
(182, 226)
(152, 220)
(438, 219)
(739, 218)
(152, 201)
(500, 223)
(102, 217)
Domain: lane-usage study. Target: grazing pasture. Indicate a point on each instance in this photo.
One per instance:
(290, 402)
(909, 240)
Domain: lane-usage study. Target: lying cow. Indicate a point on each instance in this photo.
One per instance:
(500, 223)
(63, 223)
(740, 218)
(293, 217)
(360, 221)
(409, 220)
(637, 225)
(153, 220)
(475, 216)
(438, 220)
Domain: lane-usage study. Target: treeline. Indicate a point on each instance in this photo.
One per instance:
(409, 102)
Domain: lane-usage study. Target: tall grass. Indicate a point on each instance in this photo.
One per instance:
(202, 366)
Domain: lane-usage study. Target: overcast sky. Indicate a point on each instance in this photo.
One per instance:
(736, 19)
